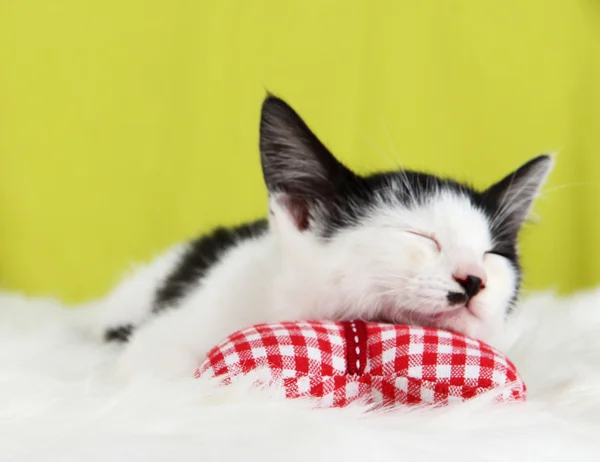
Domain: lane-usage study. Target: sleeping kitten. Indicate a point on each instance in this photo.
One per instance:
(401, 246)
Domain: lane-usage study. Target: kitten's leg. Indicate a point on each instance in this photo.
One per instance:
(174, 343)
(129, 304)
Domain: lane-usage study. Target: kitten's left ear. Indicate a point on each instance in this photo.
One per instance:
(297, 167)
(513, 196)
(294, 160)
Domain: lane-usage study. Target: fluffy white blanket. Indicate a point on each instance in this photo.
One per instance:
(56, 403)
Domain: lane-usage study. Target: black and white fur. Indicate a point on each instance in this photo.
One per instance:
(400, 246)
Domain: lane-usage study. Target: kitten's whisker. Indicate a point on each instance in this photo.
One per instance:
(394, 164)
(564, 186)
(403, 175)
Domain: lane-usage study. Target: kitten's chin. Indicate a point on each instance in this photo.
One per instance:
(392, 314)
(459, 319)
(452, 319)
(467, 323)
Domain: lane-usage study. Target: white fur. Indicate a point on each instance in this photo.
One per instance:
(378, 268)
(59, 405)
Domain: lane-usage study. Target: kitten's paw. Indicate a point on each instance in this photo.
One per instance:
(151, 355)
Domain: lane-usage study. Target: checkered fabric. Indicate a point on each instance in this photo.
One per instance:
(340, 362)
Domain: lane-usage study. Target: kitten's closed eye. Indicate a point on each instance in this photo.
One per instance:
(427, 236)
(500, 253)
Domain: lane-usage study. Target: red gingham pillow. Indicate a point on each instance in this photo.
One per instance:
(340, 362)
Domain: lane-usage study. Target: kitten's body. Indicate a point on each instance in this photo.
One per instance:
(401, 247)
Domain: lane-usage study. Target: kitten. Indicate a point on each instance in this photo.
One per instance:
(401, 246)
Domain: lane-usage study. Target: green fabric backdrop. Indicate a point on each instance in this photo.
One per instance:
(126, 126)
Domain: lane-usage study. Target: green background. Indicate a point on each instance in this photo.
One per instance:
(128, 125)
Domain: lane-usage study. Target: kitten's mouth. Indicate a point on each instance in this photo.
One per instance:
(455, 311)
(445, 315)
(458, 301)
(448, 314)
(395, 315)
(443, 319)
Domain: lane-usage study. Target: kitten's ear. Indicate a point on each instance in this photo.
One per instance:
(513, 196)
(295, 162)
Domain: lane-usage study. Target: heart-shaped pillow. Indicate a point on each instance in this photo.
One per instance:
(340, 362)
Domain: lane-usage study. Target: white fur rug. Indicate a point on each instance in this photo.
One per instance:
(56, 403)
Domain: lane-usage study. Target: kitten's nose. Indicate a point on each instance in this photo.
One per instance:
(472, 284)
(471, 276)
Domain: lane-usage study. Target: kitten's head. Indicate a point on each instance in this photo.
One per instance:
(401, 246)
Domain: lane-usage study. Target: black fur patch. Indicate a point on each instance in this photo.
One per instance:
(118, 334)
(199, 257)
(457, 298)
